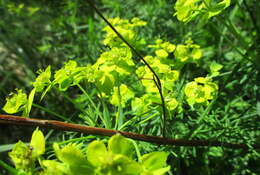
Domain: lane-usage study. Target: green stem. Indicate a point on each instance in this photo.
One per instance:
(231, 17)
(85, 93)
(148, 118)
(94, 106)
(10, 169)
(221, 75)
(136, 150)
(51, 112)
(106, 115)
(77, 139)
(69, 99)
(232, 28)
(135, 118)
(232, 44)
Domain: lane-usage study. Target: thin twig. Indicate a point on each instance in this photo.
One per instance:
(17, 120)
(156, 79)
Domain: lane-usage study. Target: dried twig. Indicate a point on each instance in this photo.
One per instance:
(17, 120)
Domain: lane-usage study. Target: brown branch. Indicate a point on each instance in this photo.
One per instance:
(17, 120)
(156, 80)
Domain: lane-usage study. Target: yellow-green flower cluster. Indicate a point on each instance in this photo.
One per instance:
(188, 53)
(126, 28)
(163, 49)
(43, 79)
(16, 102)
(24, 156)
(200, 91)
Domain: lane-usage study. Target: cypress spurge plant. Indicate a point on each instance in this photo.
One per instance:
(127, 92)
(119, 80)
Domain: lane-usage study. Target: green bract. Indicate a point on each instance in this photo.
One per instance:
(215, 68)
(73, 160)
(166, 46)
(154, 163)
(120, 145)
(37, 143)
(116, 159)
(171, 102)
(52, 167)
(187, 10)
(141, 105)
